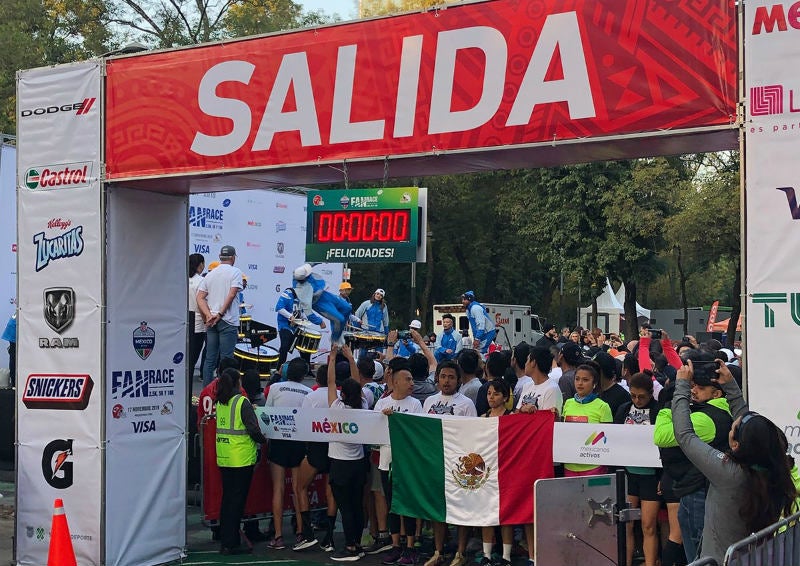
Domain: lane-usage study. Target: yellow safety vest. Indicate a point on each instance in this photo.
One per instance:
(235, 448)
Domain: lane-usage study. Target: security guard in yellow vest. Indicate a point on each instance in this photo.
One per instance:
(237, 435)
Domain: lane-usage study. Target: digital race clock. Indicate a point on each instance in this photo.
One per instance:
(366, 225)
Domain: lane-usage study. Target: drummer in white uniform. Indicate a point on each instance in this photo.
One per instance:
(290, 318)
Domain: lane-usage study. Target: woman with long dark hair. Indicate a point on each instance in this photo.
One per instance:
(236, 456)
(348, 472)
(197, 331)
(750, 484)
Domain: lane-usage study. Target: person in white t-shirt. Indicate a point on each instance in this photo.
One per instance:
(218, 302)
(348, 473)
(316, 461)
(399, 401)
(288, 454)
(197, 335)
(449, 402)
(540, 394)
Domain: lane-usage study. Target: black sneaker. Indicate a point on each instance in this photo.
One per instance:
(327, 543)
(393, 555)
(306, 542)
(380, 544)
(348, 555)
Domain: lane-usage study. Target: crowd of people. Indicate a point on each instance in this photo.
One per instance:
(725, 470)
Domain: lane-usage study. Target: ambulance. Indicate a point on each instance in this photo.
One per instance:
(515, 323)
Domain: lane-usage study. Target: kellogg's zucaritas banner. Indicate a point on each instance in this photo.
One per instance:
(498, 74)
(60, 317)
(772, 138)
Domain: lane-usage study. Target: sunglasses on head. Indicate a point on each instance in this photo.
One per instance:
(745, 419)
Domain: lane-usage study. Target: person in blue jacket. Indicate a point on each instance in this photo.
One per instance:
(311, 293)
(374, 314)
(10, 335)
(483, 329)
(448, 343)
(289, 315)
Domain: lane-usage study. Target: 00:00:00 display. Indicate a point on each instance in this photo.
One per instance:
(363, 226)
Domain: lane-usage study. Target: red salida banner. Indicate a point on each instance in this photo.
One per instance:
(493, 74)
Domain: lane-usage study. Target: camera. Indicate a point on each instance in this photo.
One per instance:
(404, 335)
(655, 333)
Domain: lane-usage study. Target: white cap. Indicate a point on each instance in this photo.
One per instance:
(380, 292)
(378, 371)
(728, 353)
(302, 272)
(415, 324)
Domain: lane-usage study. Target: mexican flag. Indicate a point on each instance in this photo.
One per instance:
(469, 470)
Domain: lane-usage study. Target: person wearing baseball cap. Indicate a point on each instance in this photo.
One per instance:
(345, 288)
(373, 313)
(569, 359)
(406, 346)
(482, 325)
(219, 303)
(312, 295)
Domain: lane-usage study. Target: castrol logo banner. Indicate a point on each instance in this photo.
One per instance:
(483, 75)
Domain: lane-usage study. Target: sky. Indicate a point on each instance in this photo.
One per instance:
(345, 8)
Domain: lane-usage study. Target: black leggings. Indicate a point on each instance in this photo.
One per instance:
(347, 479)
(287, 337)
(394, 518)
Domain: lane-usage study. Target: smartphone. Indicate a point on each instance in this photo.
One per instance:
(655, 333)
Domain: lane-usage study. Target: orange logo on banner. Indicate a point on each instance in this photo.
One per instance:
(712, 317)
(61, 552)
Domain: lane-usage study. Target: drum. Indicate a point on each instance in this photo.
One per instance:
(368, 339)
(306, 340)
(245, 322)
(263, 359)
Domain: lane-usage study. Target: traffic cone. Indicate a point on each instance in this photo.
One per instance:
(61, 552)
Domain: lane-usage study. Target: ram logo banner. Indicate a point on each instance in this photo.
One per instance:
(144, 340)
(57, 463)
(59, 307)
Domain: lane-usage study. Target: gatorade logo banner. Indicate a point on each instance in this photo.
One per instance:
(484, 75)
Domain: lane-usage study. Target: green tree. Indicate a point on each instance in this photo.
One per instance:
(370, 8)
(636, 212)
(559, 213)
(706, 230)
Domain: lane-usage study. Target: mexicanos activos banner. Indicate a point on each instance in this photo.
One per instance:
(772, 133)
(601, 444)
(60, 301)
(487, 74)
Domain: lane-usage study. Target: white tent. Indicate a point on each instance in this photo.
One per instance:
(610, 307)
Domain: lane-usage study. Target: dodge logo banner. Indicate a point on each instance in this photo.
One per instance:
(484, 75)
(59, 307)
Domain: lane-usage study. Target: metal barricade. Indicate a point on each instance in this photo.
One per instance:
(776, 545)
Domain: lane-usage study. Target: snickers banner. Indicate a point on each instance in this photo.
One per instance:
(60, 316)
(483, 75)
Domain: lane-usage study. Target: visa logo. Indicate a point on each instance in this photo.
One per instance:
(143, 426)
(252, 266)
(202, 249)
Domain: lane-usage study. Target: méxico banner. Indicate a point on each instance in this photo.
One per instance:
(477, 471)
(498, 74)
(146, 381)
(772, 134)
(60, 250)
